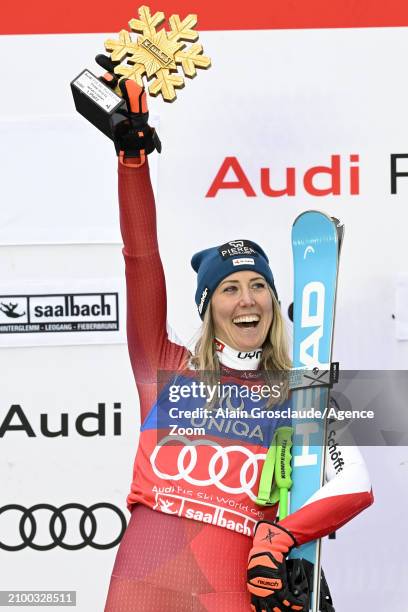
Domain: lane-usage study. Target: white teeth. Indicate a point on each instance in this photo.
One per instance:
(246, 319)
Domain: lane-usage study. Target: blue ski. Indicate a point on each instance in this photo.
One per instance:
(316, 241)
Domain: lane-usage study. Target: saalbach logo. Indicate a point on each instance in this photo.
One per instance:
(63, 312)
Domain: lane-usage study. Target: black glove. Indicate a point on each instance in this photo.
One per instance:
(300, 580)
(132, 135)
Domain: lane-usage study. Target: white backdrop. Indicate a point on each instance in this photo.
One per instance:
(273, 99)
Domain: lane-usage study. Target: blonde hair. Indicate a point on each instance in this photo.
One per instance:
(275, 354)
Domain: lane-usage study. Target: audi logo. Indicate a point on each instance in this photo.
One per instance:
(57, 527)
(217, 468)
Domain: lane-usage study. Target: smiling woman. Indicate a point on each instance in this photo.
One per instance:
(195, 517)
(242, 311)
(244, 325)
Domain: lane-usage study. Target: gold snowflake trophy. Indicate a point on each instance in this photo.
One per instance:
(157, 54)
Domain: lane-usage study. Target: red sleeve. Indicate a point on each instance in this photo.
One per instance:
(347, 493)
(149, 346)
(319, 518)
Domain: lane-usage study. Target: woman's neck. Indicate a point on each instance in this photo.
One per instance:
(237, 360)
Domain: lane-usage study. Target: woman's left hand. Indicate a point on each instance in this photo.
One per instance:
(267, 577)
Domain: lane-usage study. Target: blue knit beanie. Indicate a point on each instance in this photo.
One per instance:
(216, 263)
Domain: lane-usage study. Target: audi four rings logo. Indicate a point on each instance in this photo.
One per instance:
(218, 466)
(26, 532)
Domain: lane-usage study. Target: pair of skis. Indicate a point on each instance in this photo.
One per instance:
(316, 243)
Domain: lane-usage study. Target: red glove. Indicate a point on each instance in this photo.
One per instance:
(267, 577)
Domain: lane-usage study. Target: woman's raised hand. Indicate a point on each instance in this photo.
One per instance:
(133, 136)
